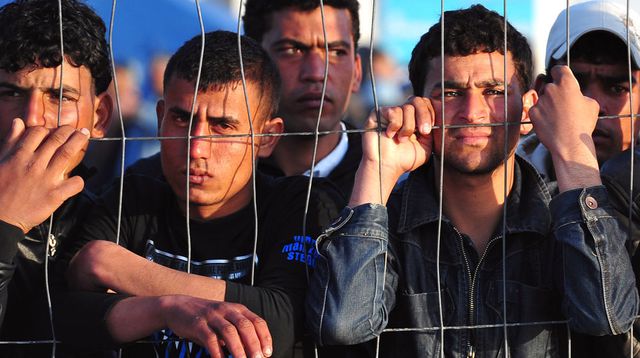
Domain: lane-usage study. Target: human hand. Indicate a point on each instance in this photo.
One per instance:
(214, 325)
(405, 144)
(564, 120)
(33, 166)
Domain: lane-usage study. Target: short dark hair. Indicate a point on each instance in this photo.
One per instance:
(30, 35)
(257, 20)
(467, 32)
(597, 47)
(221, 65)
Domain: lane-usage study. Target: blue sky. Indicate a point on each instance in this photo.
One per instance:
(403, 22)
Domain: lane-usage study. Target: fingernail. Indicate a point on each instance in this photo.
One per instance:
(268, 351)
(84, 131)
(426, 128)
(257, 355)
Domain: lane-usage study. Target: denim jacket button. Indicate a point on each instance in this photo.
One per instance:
(591, 202)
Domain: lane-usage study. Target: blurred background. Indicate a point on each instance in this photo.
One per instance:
(146, 32)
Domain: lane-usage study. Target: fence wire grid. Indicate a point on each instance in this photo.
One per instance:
(316, 133)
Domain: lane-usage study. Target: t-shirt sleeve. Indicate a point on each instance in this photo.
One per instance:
(286, 256)
(84, 324)
(85, 312)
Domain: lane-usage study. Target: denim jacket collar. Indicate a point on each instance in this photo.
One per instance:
(420, 206)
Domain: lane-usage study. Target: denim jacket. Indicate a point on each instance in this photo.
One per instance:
(564, 259)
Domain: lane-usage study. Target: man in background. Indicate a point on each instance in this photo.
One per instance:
(599, 59)
(291, 32)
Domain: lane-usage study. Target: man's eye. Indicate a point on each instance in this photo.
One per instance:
(289, 51)
(224, 126)
(10, 94)
(181, 120)
(338, 52)
(494, 92)
(619, 89)
(55, 97)
(452, 93)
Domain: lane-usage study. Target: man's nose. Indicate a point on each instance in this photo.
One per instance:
(313, 66)
(475, 108)
(200, 147)
(594, 91)
(35, 112)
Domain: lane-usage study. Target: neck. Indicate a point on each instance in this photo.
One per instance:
(207, 212)
(474, 203)
(294, 154)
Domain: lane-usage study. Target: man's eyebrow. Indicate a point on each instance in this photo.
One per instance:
(65, 89)
(490, 83)
(186, 114)
(11, 86)
(299, 44)
(617, 78)
(290, 41)
(464, 85)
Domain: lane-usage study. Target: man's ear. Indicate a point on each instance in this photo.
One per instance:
(159, 114)
(355, 87)
(102, 115)
(273, 126)
(529, 99)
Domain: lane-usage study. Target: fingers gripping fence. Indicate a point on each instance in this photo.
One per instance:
(505, 325)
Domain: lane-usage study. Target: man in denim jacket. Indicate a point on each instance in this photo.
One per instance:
(502, 251)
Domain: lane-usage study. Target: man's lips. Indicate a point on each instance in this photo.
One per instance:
(472, 137)
(313, 100)
(197, 176)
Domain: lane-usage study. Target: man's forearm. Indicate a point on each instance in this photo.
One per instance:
(371, 185)
(134, 318)
(102, 264)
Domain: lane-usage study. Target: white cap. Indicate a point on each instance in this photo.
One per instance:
(592, 16)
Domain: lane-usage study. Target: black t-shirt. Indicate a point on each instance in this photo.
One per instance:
(153, 226)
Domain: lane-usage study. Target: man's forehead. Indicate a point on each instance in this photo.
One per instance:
(604, 69)
(217, 99)
(35, 74)
(292, 21)
(475, 67)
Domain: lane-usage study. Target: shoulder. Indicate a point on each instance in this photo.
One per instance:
(616, 176)
(291, 194)
(143, 184)
(617, 169)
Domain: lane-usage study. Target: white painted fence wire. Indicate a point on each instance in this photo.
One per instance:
(316, 133)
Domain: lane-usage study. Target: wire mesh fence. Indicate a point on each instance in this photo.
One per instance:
(441, 327)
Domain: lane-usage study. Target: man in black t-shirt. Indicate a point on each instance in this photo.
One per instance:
(194, 277)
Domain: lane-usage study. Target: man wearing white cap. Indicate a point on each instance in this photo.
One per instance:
(601, 61)
(598, 59)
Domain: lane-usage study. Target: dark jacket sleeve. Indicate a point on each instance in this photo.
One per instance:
(9, 237)
(600, 295)
(352, 291)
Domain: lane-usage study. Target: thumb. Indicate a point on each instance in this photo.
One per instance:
(9, 142)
